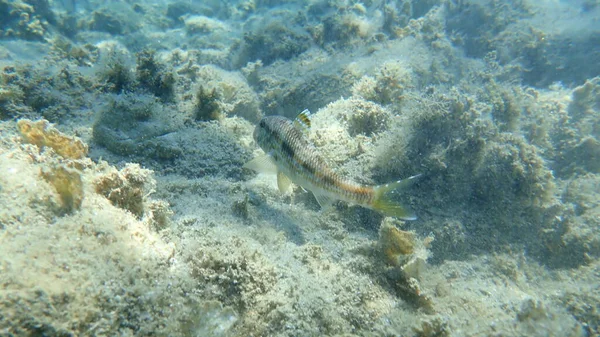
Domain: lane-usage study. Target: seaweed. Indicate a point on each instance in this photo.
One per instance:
(116, 75)
(154, 77)
(207, 105)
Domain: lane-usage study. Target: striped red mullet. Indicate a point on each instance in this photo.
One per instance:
(294, 159)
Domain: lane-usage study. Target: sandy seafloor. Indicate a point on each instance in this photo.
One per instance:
(128, 212)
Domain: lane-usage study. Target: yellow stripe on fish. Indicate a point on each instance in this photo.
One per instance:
(293, 158)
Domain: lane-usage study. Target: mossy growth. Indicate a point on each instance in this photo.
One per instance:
(207, 106)
(117, 76)
(154, 77)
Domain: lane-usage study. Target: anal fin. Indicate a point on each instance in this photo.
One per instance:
(324, 200)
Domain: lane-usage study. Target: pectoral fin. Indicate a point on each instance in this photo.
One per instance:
(283, 182)
(262, 164)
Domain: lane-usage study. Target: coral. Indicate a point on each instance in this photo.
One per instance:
(532, 310)
(63, 273)
(392, 79)
(127, 188)
(513, 173)
(83, 55)
(574, 240)
(43, 134)
(365, 88)
(348, 29)
(65, 177)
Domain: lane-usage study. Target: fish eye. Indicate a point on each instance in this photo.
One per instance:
(261, 124)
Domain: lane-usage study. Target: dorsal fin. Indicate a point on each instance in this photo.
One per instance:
(302, 121)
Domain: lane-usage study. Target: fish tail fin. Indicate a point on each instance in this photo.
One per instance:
(384, 199)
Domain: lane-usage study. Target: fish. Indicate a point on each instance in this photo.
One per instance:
(294, 159)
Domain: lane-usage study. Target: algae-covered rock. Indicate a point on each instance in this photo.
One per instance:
(49, 91)
(115, 20)
(226, 93)
(97, 259)
(140, 126)
(135, 124)
(578, 137)
(468, 163)
(387, 84)
(279, 35)
(198, 24)
(65, 177)
(28, 20)
(127, 188)
(178, 10)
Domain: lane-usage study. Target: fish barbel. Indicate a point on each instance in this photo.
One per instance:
(293, 158)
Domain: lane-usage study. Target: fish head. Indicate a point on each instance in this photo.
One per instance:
(267, 133)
